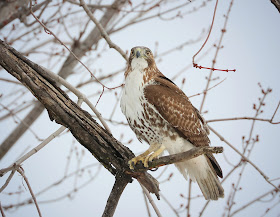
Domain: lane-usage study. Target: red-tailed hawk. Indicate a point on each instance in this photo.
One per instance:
(161, 114)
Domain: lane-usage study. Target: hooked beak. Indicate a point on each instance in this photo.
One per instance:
(138, 54)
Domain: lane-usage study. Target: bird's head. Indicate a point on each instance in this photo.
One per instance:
(141, 57)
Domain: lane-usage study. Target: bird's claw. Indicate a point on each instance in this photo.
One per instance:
(143, 159)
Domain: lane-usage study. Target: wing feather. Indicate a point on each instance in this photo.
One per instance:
(175, 107)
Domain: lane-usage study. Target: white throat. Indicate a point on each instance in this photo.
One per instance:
(139, 63)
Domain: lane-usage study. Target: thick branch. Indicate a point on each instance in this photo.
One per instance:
(112, 202)
(107, 150)
(276, 3)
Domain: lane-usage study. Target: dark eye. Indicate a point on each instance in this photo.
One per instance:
(148, 52)
(132, 52)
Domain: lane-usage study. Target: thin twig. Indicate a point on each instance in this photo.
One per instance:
(17, 164)
(48, 31)
(204, 207)
(21, 172)
(169, 204)
(146, 203)
(252, 201)
(103, 31)
(209, 88)
(275, 111)
(8, 180)
(243, 118)
(151, 201)
(189, 198)
(79, 94)
(212, 23)
(1, 210)
(244, 158)
(218, 47)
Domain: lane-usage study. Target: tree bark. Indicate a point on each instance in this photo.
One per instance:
(112, 202)
(276, 3)
(79, 49)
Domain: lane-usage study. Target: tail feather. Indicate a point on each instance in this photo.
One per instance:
(210, 187)
(200, 170)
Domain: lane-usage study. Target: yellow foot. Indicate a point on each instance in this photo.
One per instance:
(147, 156)
(135, 160)
(154, 155)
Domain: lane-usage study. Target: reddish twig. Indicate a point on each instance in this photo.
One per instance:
(213, 69)
(207, 35)
(211, 27)
(216, 54)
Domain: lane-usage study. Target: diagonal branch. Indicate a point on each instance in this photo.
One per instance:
(79, 49)
(175, 158)
(244, 158)
(105, 148)
(276, 3)
(102, 30)
(118, 188)
(21, 172)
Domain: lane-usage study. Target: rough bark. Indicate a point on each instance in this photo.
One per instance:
(105, 148)
(79, 49)
(112, 202)
(276, 3)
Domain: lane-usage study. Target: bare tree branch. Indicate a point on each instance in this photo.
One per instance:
(11, 10)
(218, 47)
(242, 118)
(20, 170)
(2, 211)
(79, 49)
(103, 31)
(276, 3)
(175, 158)
(253, 201)
(244, 158)
(17, 164)
(112, 202)
(8, 180)
(152, 202)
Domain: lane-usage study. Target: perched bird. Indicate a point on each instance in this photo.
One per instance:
(161, 114)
